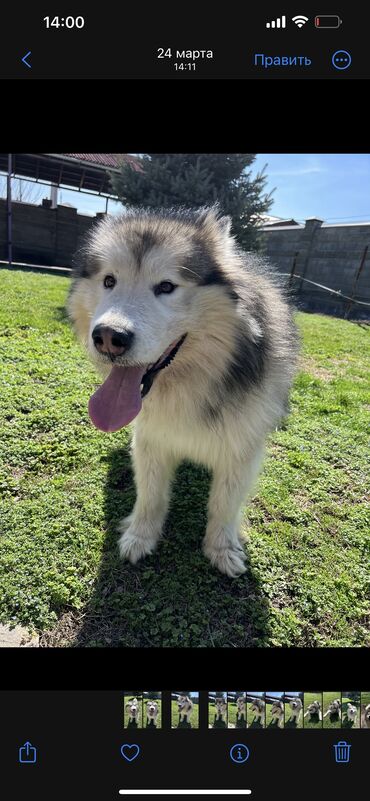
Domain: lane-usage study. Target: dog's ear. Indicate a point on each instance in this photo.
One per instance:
(213, 223)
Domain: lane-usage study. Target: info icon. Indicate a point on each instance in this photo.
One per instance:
(239, 753)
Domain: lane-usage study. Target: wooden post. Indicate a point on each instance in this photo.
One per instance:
(9, 208)
(292, 272)
(355, 281)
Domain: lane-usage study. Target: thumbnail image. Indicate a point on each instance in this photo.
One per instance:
(217, 710)
(274, 710)
(256, 710)
(152, 706)
(293, 710)
(365, 710)
(133, 710)
(332, 710)
(236, 710)
(312, 714)
(351, 709)
(184, 710)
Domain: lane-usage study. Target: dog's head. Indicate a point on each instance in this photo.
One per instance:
(220, 705)
(277, 708)
(314, 708)
(295, 704)
(367, 713)
(146, 286)
(133, 708)
(183, 702)
(257, 705)
(152, 709)
(240, 702)
(351, 711)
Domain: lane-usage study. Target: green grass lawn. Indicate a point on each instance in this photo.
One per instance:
(334, 721)
(194, 719)
(313, 722)
(65, 485)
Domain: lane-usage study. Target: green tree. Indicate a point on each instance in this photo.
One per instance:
(194, 180)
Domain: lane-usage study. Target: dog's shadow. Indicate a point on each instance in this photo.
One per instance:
(173, 597)
(274, 724)
(291, 723)
(347, 723)
(256, 724)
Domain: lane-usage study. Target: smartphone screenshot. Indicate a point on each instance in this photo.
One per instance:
(184, 402)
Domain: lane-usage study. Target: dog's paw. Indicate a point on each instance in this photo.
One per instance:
(229, 560)
(137, 540)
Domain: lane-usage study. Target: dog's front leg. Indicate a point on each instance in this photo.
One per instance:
(141, 530)
(231, 483)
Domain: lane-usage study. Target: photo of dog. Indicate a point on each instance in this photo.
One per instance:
(185, 710)
(274, 710)
(236, 709)
(365, 710)
(217, 710)
(313, 706)
(332, 710)
(351, 702)
(293, 707)
(256, 710)
(152, 710)
(185, 329)
(133, 710)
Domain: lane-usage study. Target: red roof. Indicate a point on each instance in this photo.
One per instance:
(106, 159)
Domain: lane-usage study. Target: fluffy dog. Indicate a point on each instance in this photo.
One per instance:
(197, 345)
(185, 707)
(314, 710)
(351, 712)
(334, 708)
(258, 708)
(133, 710)
(240, 707)
(221, 709)
(365, 720)
(277, 713)
(152, 711)
(296, 709)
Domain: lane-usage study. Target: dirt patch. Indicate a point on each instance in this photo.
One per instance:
(308, 365)
(64, 633)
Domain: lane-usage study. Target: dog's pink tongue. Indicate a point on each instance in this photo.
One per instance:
(118, 400)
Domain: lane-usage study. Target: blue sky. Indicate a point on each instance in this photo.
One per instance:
(334, 187)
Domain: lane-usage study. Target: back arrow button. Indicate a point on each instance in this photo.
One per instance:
(24, 59)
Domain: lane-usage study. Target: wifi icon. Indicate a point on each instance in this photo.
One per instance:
(300, 20)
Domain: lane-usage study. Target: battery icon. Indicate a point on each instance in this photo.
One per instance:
(327, 21)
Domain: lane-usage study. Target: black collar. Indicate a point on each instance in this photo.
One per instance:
(150, 375)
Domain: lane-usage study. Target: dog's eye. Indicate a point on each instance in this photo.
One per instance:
(164, 288)
(109, 281)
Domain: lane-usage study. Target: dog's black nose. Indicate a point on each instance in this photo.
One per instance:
(111, 342)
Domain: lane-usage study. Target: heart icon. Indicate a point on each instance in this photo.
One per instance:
(130, 752)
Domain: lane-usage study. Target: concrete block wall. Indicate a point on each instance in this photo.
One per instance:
(326, 254)
(42, 235)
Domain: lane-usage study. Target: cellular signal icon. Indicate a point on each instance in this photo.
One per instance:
(280, 22)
